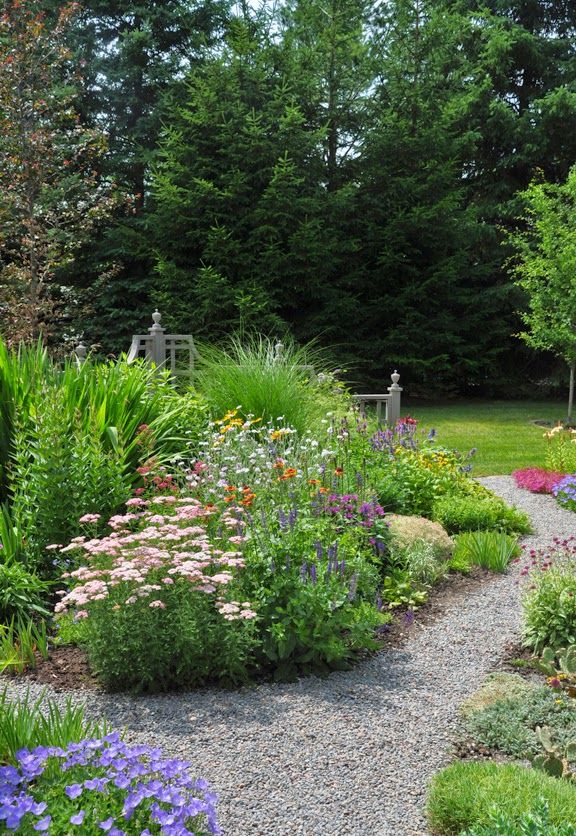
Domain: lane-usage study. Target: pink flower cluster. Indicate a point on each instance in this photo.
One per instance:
(171, 543)
(536, 479)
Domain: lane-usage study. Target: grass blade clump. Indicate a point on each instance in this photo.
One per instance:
(277, 386)
(491, 550)
(27, 723)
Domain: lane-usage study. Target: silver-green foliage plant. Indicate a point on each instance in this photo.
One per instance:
(491, 550)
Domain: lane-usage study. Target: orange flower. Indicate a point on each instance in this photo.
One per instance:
(278, 464)
(313, 481)
(230, 489)
(323, 490)
(339, 471)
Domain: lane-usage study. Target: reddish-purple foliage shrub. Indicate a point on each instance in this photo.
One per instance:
(536, 479)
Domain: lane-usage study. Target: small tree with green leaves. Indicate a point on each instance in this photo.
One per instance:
(545, 267)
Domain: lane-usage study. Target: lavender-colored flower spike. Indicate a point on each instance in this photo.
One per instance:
(313, 574)
(292, 517)
(320, 550)
(282, 519)
(304, 571)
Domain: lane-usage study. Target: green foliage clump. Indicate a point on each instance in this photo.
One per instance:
(489, 549)
(467, 513)
(25, 724)
(535, 822)
(509, 725)
(468, 794)
(21, 591)
(425, 474)
(549, 607)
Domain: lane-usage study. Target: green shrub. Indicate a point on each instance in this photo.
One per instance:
(424, 475)
(534, 823)
(469, 513)
(466, 795)
(25, 724)
(252, 376)
(409, 530)
(509, 725)
(489, 549)
(550, 607)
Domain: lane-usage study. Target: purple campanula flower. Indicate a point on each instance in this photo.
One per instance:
(292, 517)
(78, 817)
(313, 573)
(282, 519)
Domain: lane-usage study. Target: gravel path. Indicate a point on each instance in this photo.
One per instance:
(351, 754)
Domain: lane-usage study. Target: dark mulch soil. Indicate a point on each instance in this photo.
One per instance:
(67, 668)
(520, 660)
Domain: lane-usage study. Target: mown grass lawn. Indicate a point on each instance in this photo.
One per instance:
(501, 431)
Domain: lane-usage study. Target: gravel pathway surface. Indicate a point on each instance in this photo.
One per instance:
(350, 754)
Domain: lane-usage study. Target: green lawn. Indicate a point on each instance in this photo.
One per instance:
(501, 431)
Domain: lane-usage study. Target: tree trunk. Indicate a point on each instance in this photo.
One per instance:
(571, 392)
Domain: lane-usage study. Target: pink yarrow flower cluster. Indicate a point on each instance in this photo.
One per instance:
(150, 551)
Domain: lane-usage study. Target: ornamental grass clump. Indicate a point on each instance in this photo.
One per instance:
(158, 596)
(263, 380)
(536, 479)
(103, 785)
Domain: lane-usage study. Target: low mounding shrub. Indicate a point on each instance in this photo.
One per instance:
(466, 795)
(534, 823)
(468, 513)
(507, 725)
(409, 530)
(549, 602)
(117, 788)
(565, 492)
(489, 549)
(536, 479)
